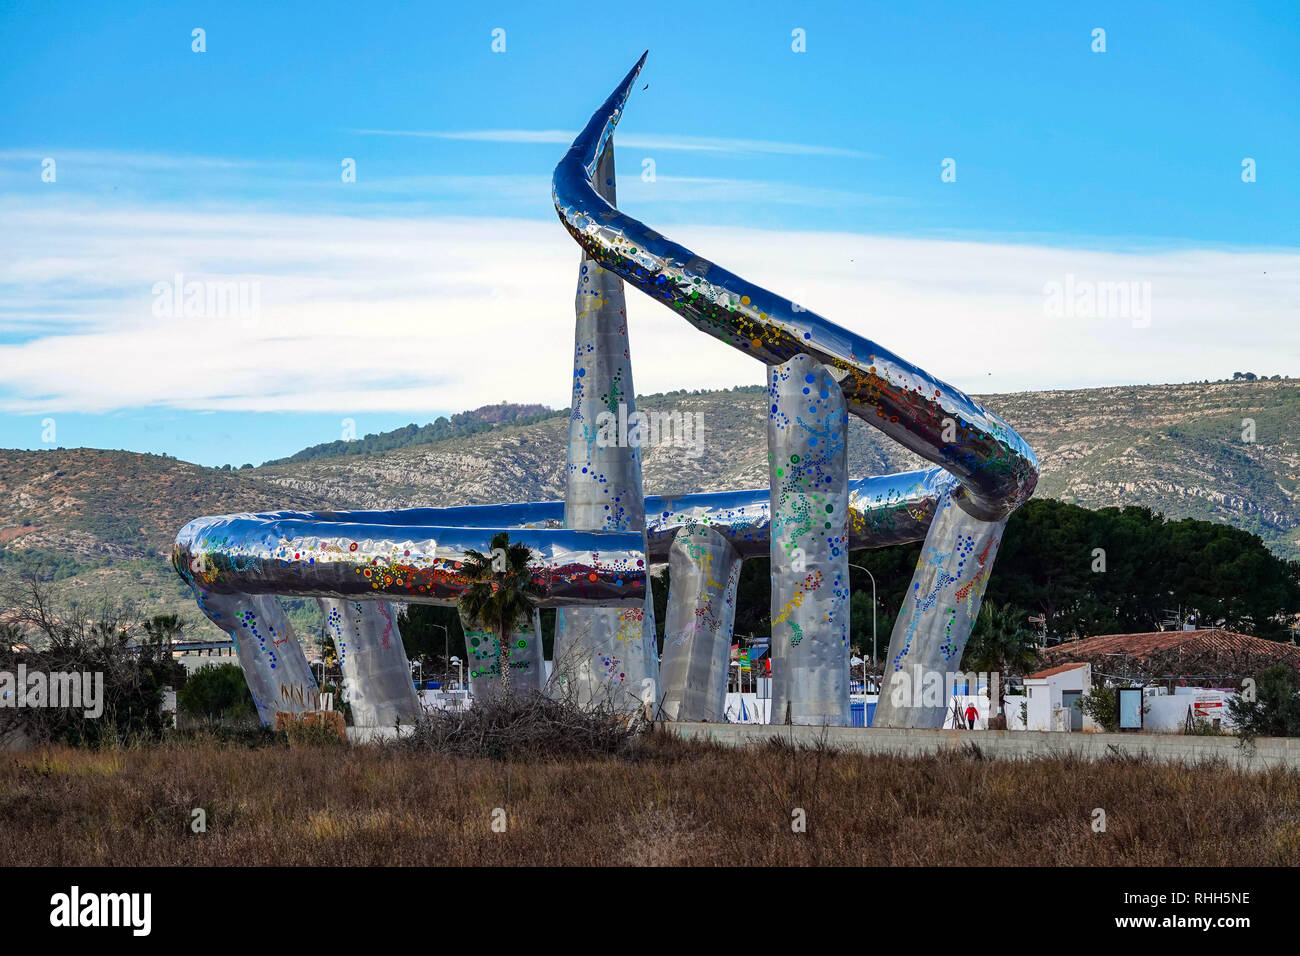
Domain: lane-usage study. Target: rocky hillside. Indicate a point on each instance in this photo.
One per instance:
(105, 520)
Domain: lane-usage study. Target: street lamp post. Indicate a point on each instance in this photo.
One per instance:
(446, 645)
(873, 618)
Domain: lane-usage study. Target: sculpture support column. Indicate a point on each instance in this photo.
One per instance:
(527, 662)
(274, 665)
(704, 571)
(807, 435)
(376, 673)
(605, 653)
(935, 621)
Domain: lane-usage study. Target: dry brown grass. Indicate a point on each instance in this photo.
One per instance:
(667, 802)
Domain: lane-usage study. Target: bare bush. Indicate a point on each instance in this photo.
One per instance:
(527, 726)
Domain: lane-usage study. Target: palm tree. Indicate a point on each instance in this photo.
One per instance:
(502, 593)
(165, 629)
(1000, 642)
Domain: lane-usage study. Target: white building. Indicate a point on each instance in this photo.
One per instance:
(1053, 698)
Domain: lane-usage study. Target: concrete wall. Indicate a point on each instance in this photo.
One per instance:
(1167, 713)
(758, 710)
(196, 662)
(1021, 744)
(1012, 704)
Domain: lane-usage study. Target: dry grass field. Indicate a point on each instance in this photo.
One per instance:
(664, 802)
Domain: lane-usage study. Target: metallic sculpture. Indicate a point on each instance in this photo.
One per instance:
(883, 510)
(239, 563)
(603, 491)
(704, 570)
(886, 510)
(268, 651)
(893, 509)
(995, 470)
(306, 557)
(807, 436)
(938, 613)
(376, 673)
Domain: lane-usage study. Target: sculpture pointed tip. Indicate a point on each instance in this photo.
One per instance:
(620, 95)
(636, 70)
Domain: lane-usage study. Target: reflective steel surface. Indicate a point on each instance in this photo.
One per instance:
(807, 440)
(704, 574)
(306, 557)
(996, 468)
(603, 489)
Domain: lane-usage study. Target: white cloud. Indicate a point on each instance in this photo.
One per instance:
(144, 178)
(119, 159)
(696, 144)
(394, 314)
(715, 191)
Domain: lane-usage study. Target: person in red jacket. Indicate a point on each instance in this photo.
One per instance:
(971, 716)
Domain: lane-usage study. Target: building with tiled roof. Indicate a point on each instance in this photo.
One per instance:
(1053, 671)
(1206, 654)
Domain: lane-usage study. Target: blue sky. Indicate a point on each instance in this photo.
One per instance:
(1119, 165)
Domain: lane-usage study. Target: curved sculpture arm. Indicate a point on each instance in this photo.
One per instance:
(883, 510)
(247, 554)
(996, 468)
